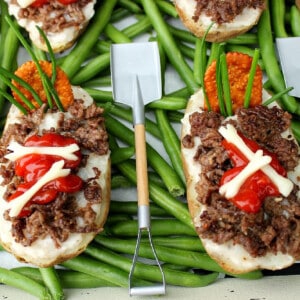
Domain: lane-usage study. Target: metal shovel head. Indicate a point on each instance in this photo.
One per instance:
(289, 55)
(132, 62)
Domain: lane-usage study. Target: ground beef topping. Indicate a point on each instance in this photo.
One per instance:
(54, 15)
(62, 216)
(276, 227)
(224, 11)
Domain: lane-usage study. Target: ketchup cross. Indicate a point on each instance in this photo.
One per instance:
(257, 186)
(33, 166)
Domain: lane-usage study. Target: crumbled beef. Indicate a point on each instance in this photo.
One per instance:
(62, 216)
(224, 11)
(276, 227)
(265, 126)
(54, 15)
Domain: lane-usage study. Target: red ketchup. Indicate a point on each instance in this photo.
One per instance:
(32, 167)
(257, 186)
(39, 3)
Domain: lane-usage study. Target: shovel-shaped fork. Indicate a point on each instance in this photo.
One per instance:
(136, 81)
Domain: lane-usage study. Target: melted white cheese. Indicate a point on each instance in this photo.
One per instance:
(66, 152)
(54, 172)
(25, 3)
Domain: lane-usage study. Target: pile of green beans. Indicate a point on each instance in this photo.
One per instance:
(105, 262)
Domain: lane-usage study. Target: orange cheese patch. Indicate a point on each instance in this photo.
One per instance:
(239, 65)
(28, 72)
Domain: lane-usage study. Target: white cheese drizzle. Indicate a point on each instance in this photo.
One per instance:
(66, 152)
(283, 184)
(54, 172)
(25, 3)
(231, 188)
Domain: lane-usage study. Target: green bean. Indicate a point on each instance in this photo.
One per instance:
(24, 283)
(101, 270)
(188, 258)
(163, 61)
(92, 68)
(269, 58)
(131, 6)
(116, 35)
(166, 172)
(161, 197)
(11, 41)
(295, 20)
(170, 141)
(4, 28)
(159, 227)
(141, 26)
(130, 208)
(120, 181)
(176, 267)
(155, 178)
(169, 103)
(244, 39)
(102, 81)
(295, 125)
(182, 92)
(8, 58)
(121, 154)
(102, 46)
(118, 14)
(167, 8)
(277, 15)
(169, 44)
(52, 282)
(126, 114)
(186, 50)
(115, 219)
(86, 42)
(182, 34)
(151, 272)
(68, 278)
(180, 242)
(99, 95)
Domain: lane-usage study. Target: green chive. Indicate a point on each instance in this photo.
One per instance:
(202, 47)
(225, 84)
(277, 96)
(23, 83)
(220, 49)
(251, 78)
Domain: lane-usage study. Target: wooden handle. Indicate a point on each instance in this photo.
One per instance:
(141, 165)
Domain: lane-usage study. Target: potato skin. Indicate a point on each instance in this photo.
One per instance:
(43, 253)
(218, 33)
(231, 257)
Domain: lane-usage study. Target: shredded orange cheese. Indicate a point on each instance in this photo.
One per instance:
(239, 65)
(28, 72)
